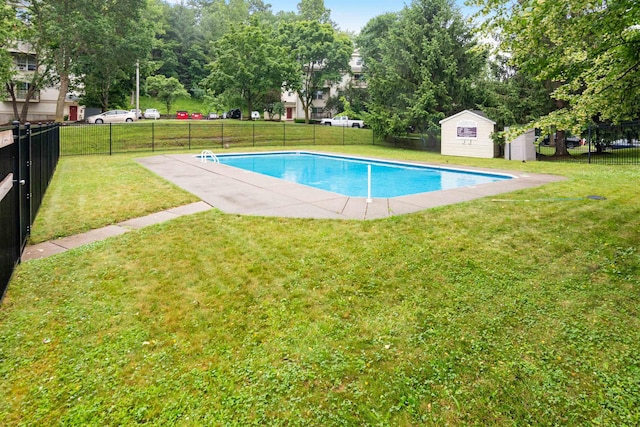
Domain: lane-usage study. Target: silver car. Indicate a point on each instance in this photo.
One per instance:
(151, 113)
(113, 116)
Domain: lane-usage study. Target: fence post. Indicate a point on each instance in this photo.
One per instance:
(589, 145)
(189, 137)
(22, 176)
(110, 139)
(153, 135)
(222, 135)
(284, 133)
(28, 163)
(254, 134)
(314, 134)
(18, 194)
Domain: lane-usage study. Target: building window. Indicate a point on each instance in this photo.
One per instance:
(358, 61)
(317, 113)
(318, 95)
(21, 89)
(26, 63)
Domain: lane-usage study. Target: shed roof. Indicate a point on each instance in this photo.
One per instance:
(478, 113)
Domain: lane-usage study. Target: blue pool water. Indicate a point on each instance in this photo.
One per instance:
(348, 175)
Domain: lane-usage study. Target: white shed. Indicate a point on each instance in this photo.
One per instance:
(468, 134)
(522, 148)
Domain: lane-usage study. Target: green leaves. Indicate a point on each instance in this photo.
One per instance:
(249, 64)
(419, 63)
(9, 28)
(167, 89)
(587, 50)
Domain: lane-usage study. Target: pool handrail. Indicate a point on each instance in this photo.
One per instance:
(206, 154)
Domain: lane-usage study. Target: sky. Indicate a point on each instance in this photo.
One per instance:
(352, 15)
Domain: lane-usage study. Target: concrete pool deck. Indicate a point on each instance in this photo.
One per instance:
(237, 191)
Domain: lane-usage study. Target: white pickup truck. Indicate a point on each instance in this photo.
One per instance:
(342, 121)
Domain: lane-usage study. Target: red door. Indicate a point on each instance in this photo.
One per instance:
(73, 113)
(289, 113)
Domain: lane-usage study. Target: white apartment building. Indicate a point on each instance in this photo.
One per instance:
(293, 106)
(42, 105)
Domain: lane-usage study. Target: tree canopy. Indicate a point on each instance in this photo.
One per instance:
(69, 34)
(166, 89)
(589, 51)
(182, 50)
(108, 63)
(10, 29)
(23, 84)
(314, 10)
(561, 64)
(421, 66)
(249, 64)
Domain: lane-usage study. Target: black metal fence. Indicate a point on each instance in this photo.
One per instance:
(28, 158)
(605, 144)
(145, 136)
(428, 141)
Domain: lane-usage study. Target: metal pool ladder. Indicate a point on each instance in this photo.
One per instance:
(208, 154)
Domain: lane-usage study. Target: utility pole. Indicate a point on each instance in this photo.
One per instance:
(137, 88)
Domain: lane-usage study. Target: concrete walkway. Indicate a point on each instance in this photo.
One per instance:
(42, 250)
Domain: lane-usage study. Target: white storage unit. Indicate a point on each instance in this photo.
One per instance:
(468, 134)
(521, 148)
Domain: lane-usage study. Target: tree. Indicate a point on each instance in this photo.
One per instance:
(10, 30)
(67, 29)
(249, 64)
(166, 89)
(422, 65)
(107, 66)
(60, 40)
(589, 52)
(182, 51)
(511, 97)
(22, 85)
(355, 95)
(314, 10)
(218, 17)
(321, 55)
(274, 109)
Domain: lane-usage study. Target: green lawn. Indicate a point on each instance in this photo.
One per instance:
(155, 135)
(482, 313)
(94, 191)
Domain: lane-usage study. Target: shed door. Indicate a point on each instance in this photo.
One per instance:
(73, 113)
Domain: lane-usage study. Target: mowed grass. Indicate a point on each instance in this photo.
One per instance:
(481, 313)
(95, 191)
(152, 135)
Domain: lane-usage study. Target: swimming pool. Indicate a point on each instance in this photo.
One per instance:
(348, 176)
